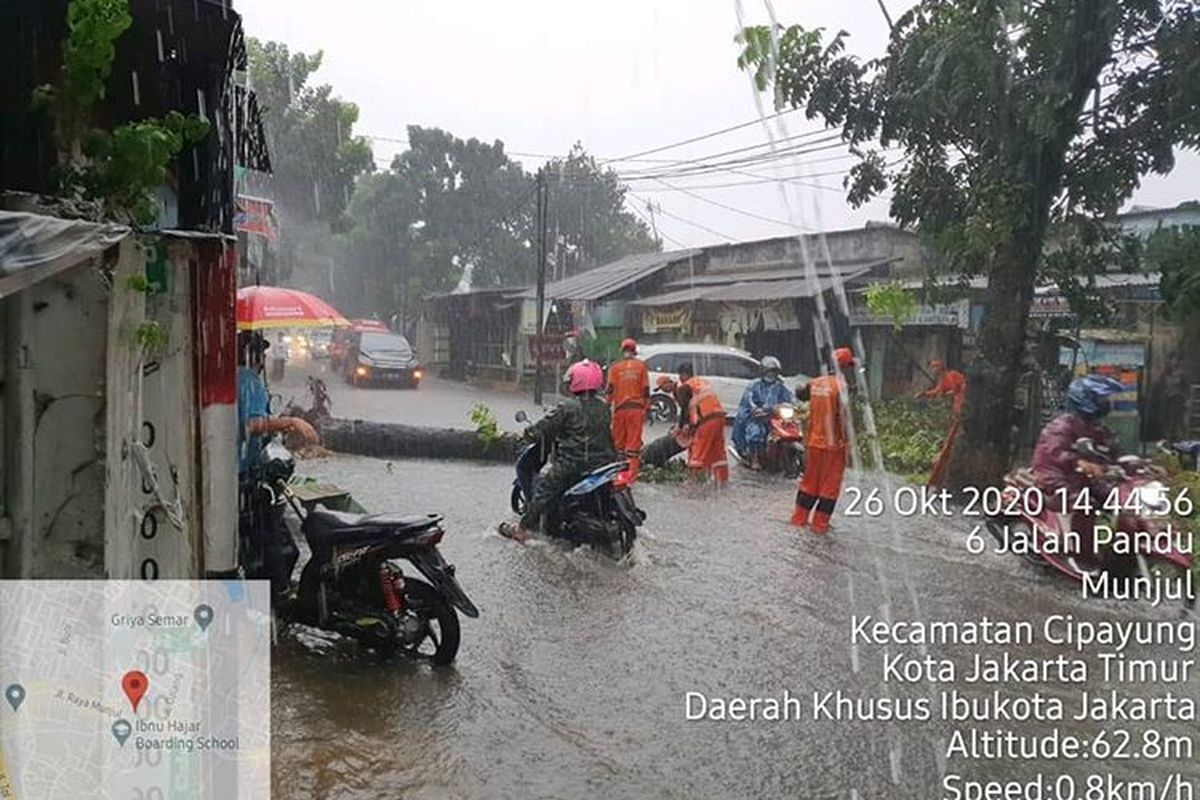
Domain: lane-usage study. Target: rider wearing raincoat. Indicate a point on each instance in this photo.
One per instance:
(752, 422)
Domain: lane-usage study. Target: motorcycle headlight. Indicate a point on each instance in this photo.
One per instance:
(786, 413)
(1152, 499)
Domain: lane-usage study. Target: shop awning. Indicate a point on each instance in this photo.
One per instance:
(34, 247)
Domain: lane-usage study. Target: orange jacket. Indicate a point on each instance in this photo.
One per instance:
(703, 403)
(628, 384)
(952, 382)
(826, 427)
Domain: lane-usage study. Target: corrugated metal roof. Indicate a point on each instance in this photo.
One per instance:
(604, 280)
(746, 291)
(844, 269)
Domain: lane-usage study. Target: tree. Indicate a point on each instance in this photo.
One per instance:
(449, 209)
(315, 155)
(588, 221)
(1175, 253)
(446, 208)
(1011, 116)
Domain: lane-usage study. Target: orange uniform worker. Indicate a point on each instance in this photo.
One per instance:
(629, 394)
(825, 447)
(706, 418)
(954, 383)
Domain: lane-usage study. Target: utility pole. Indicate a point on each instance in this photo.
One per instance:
(653, 222)
(539, 339)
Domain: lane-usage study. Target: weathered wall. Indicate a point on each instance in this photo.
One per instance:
(870, 243)
(53, 390)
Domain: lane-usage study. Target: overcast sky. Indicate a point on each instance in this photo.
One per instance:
(619, 76)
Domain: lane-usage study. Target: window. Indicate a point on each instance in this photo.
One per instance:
(660, 363)
(732, 366)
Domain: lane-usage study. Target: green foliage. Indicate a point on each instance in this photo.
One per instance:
(486, 426)
(673, 472)
(910, 435)
(447, 205)
(891, 301)
(121, 167)
(125, 165)
(315, 155)
(1012, 118)
(93, 27)
(138, 283)
(150, 336)
(1175, 252)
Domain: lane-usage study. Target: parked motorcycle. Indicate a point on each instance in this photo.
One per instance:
(1186, 452)
(784, 452)
(1140, 496)
(598, 511)
(352, 583)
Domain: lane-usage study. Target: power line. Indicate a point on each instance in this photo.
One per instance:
(653, 228)
(734, 209)
(658, 207)
(702, 137)
(708, 167)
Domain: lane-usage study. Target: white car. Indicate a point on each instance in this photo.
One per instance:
(727, 369)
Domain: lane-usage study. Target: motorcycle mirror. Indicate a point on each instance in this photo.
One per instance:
(522, 417)
(274, 404)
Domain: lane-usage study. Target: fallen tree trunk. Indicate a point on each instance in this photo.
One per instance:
(391, 440)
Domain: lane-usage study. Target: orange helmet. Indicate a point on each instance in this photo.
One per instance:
(844, 356)
(629, 344)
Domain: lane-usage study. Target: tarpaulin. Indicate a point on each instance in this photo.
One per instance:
(35, 247)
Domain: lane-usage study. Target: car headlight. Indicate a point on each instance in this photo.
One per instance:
(361, 371)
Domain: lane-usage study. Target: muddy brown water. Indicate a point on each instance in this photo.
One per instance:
(572, 682)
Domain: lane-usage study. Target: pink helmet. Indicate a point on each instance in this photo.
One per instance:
(585, 376)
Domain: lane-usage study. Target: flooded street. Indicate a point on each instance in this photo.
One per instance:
(572, 682)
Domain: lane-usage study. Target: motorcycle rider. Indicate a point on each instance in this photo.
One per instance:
(581, 426)
(629, 394)
(703, 416)
(751, 425)
(825, 455)
(1056, 464)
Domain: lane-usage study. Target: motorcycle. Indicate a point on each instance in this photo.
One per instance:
(663, 407)
(352, 583)
(319, 411)
(1140, 503)
(599, 510)
(784, 452)
(1186, 452)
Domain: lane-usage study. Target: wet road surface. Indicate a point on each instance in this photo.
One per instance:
(571, 684)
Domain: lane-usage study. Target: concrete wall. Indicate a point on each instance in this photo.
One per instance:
(54, 405)
(858, 244)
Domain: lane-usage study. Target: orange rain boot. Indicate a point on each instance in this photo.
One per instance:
(799, 517)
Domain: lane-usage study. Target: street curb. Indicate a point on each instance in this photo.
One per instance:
(392, 440)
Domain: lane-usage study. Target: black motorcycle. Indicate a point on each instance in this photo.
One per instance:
(598, 511)
(352, 584)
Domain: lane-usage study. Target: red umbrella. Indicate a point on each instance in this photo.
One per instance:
(262, 307)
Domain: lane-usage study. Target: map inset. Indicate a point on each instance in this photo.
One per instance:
(152, 690)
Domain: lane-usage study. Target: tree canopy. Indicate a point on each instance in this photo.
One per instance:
(990, 121)
(450, 209)
(310, 133)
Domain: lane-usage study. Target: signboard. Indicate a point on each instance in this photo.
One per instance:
(551, 346)
(655, 320)
(1050, 306)
(956, 314)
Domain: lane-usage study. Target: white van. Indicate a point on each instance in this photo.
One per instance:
(727, 369)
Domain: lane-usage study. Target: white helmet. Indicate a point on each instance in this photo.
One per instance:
(771, 363)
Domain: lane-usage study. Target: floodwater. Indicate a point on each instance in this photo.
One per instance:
(571, 684)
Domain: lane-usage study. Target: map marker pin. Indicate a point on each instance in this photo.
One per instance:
(203, 616)
(121, 730)
(135, 685)
(15, 694)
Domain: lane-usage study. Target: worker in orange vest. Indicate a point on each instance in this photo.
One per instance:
(706, 422)
(825, 446)
(953, 383)
(629, 395)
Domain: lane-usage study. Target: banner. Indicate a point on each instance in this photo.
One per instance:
(655, 320)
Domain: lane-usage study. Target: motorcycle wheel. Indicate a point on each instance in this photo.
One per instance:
(662, 409)
(438, 645)
(517, 500)
(793, 463)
